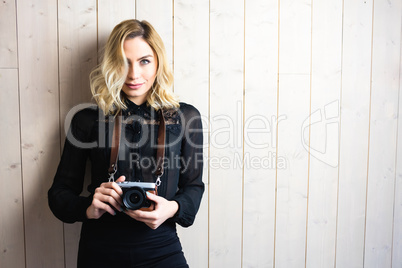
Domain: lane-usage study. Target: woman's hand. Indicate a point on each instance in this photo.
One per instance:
(164, 210)
(107, 196)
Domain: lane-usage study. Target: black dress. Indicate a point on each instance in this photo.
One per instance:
(120, 241)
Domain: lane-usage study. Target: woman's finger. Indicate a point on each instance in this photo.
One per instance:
(101, 206)
(109, 196)
(114, 201)
(121, 179)
(117, 189)
(113, 193)
(111, 189)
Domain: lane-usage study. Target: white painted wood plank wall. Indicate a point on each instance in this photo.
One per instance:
(354, 125)
(294, 103)
(40, 136)
(301, 107)
(11, 207)
(191, 41)
(381, 194)
(260, 126)
(326, 75)
(226, 140)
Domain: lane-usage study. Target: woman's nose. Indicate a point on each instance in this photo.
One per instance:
(133, 72)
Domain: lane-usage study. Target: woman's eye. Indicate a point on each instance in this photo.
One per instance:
(144, 62)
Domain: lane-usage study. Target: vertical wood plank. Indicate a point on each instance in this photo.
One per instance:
(397, 229)
(160, 14)
(383, 131)
(293, 133)
(397, 224)
(77, 57)
(8, 34)
(226, 143)
(40, 136)
(324, 138)
(356, 62)
(111, 13)
(292, 181)
(191, 58)
(261, 72)
(12, 249)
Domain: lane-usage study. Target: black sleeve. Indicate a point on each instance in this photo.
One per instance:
(64, 195)
(191, 186)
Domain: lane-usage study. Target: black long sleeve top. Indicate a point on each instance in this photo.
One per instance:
(90, 136)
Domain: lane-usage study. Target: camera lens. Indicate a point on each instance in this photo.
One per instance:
(134, 197)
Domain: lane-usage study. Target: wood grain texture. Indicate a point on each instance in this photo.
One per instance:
(295, 36)
(12, 249)
(40, 136)
(292, 181)
(397, 227)
(111, 13)
(260, 126)
(191, 62)
(77, 57)
(160, 14)
(8, 34)
(354, 135)
(383, 133)
(324, 137)
(293, 133)
(77, 53)
(226, 143)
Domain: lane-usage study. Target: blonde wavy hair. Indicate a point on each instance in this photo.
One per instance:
(108, 78)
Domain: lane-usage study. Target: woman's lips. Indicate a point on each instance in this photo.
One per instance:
(134, 86)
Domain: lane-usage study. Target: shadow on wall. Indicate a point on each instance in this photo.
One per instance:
(48, 242)
(75, 67)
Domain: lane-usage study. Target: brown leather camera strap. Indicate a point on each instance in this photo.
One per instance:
(160, 153)
(115, 144)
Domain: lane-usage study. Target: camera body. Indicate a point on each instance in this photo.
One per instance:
(135, 195)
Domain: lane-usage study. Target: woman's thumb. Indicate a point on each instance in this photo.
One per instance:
(121, 179)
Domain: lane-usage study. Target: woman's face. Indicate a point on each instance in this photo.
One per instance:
(142, 66)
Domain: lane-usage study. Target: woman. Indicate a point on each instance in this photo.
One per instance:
(133, 81)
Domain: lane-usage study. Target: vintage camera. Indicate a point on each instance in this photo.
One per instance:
(134, 195)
